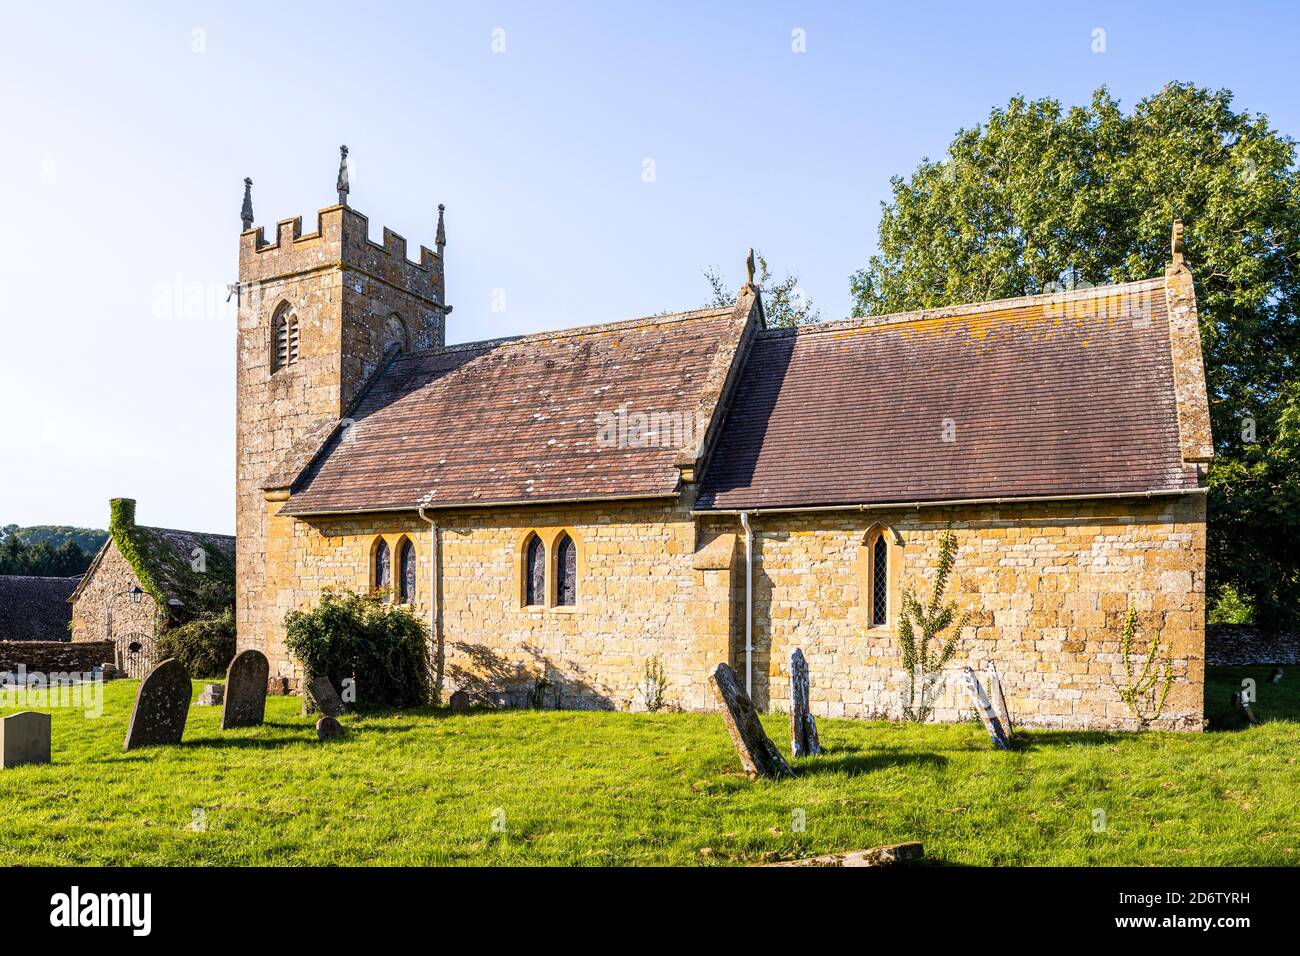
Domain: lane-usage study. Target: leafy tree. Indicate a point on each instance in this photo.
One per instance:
(20, 556)
(784, 303)
(1038, 193)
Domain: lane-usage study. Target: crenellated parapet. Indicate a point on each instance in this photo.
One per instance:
(341, 239)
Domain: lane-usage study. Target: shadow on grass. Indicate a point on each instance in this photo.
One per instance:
(852, 763)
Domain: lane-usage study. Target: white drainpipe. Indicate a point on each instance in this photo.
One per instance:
(434, 635)
(749, 603)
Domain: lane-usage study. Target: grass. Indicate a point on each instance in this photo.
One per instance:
(572, 788)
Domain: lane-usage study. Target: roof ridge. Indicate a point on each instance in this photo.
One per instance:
(577, 331)
(964, 308)
(206, 534)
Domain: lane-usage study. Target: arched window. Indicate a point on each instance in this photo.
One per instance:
(534, 571)
(285, 345)
(879, 580)
(395, 334)
(406, 572)
(566, 572)
(383, 566)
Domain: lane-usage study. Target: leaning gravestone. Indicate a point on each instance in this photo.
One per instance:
(999, 701)
(803, 728)
(320, 695)
(162, 703)
(985, 711)
(24, 738)
(246, 682)
(758, 755)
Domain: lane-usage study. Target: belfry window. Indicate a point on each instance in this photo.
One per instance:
(285, 345)
(534, 572)
(566, 572)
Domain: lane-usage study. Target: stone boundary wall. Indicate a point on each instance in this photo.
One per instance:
(54, 656)
(1242, 644)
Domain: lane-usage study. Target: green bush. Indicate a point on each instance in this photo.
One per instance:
(382, 646)
(204, 644)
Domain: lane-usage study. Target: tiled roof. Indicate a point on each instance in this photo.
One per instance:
(1042, 396)
(35, 608)
(516, 420)
(169, 557)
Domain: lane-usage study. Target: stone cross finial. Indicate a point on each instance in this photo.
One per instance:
(441, 238)
(749, 268)
(1177, 244)
(246, 214)
(342, 184)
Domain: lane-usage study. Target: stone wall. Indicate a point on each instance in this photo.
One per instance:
(1046, 587)
(639, 595)
(53, 657)
(343, 288)
(1242, 644)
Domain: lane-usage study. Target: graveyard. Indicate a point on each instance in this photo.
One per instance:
(550, 787)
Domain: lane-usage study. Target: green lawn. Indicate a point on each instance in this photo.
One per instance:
(421, 787)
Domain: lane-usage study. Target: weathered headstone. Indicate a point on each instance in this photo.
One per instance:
(758, 755)
(327, 728)
(246, 685)
(1241, 702)
(162, 703)
(24, 738)
(108, 670)
(461, 702)
(803, 728)
(999, 701)
(985, 711)
(319, 696)
(211, 695)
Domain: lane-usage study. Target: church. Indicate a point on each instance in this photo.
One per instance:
(693, 488)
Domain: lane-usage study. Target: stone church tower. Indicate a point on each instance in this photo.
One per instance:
(318, 315)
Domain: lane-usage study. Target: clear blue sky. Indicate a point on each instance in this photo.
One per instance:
(124, 137)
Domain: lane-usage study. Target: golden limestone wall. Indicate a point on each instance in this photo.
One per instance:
(639, 595)
(343, 288)
(1046, 585)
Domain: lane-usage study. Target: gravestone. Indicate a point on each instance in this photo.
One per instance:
(246, 686)
(211, 695)
(277, 686)
(24, 738)
(999, 701)
(803, 728)
(461, 702)
(162, 703)
(758, 755)
(328, 728)
(985, 711)
(320, 696)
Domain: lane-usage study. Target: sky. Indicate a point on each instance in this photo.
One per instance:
(594, 159)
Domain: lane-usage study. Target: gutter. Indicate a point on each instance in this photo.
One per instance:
(435, 635)
(458, 506)
(749, 603)
(953, 502)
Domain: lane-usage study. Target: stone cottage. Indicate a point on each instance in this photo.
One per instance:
(144, 579)
(697, 487)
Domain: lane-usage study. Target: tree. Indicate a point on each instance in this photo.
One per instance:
(784, 304)
(1038, 193)
(925, 654)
